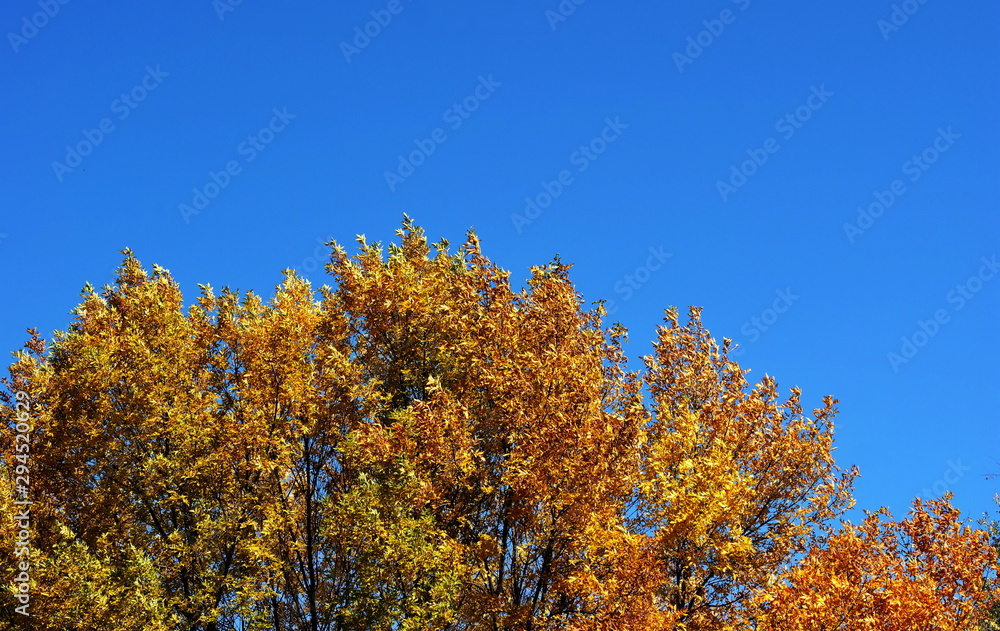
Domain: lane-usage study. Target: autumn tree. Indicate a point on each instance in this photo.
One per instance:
(923, 573)
(514, 408)
(992, 526)
(733, 481)
(422, 446)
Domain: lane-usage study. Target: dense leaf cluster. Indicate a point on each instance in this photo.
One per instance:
(423, 447)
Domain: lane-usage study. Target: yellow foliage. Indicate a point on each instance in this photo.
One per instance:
(421, 447)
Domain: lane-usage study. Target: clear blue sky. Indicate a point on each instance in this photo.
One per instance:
(724, 171)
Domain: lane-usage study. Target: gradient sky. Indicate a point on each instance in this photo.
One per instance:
(821, 178)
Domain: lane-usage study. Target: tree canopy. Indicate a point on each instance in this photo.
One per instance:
(421, 446)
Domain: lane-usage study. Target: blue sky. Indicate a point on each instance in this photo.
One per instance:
(820, 178)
